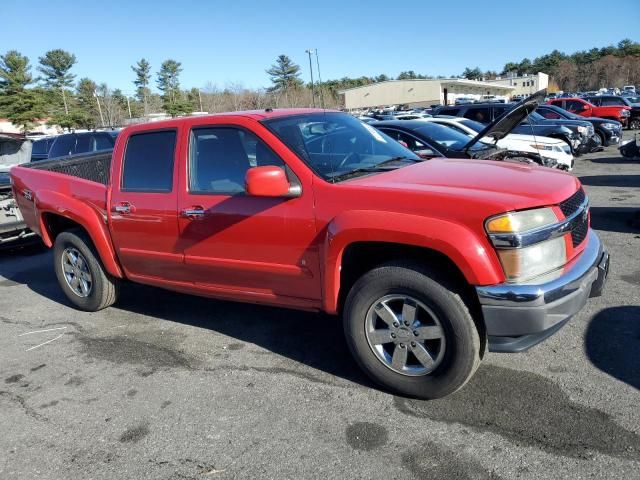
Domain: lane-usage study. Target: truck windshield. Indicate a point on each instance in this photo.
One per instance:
(337, 146)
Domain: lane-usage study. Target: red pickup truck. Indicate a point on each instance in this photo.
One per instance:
(582, 107)
(430, 263)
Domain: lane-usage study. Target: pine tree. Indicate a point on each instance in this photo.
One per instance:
(142, 69)
(284, 74)
(169, 84)
(56, 66)
(87, 103)
(21, 105)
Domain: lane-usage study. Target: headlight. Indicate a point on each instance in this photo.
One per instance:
(526, 262)
(625, 113)
(539, 146)
(519, 222)
(583, 130)
(609, 126)
(522, 264)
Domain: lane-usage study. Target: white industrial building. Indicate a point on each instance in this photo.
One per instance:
(420, 92)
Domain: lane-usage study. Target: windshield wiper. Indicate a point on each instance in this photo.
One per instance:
(378, 167)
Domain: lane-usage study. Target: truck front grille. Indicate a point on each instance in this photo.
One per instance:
(569, 207)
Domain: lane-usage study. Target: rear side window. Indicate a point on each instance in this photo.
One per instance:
(39, 147)
(449, 111)
(103, 141)
(63, 145)
(613, 102)
(148, 162)
(84, 144)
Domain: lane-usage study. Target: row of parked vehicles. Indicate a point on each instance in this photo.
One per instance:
(431, 264)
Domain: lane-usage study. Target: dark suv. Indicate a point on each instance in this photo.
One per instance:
(81, 142)
(579, 134)
(617, 101)
(609, 131)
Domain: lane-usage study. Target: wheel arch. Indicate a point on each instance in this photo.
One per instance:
(58, 213)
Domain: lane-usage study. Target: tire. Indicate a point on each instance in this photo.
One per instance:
(456, 356)
(99, 289)
(634, 124)
(603, 140)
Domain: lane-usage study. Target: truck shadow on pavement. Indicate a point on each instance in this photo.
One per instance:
(612, 343)
(616, 219)
(312, 339)
(611, 180)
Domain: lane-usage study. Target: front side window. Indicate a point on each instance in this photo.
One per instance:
(335, 144)
(148, 162)
(613, 102)
(219, 158)
(480, 114)
(551, 114)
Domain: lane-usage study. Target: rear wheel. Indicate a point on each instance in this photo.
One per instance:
(410, 332)
(80, 273)
(634, 124)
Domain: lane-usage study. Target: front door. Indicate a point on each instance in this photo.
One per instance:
(239, 243)
(143, 207)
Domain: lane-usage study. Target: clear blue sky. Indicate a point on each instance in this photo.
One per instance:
(236, 40)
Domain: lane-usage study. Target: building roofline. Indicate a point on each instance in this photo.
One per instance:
(462, 81)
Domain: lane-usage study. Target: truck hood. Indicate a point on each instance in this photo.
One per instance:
(501, 127)
(533, 139)
(503, 185)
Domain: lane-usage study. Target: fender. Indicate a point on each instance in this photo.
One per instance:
(47, 201)
(472, 254)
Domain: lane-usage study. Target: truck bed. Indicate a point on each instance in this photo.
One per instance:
(95, 167)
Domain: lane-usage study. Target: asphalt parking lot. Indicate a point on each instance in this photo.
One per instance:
(168, 386)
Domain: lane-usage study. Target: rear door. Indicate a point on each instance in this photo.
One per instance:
(143, 205)
(232, 241)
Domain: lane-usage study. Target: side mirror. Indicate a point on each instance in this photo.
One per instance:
(267, 181)
(425, 153)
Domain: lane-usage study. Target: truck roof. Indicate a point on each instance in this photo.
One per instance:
(255, 114)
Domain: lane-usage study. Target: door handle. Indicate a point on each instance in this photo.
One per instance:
(123, 208)
(193, 212)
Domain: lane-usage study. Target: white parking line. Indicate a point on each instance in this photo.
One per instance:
(44, 343)
(40, 331)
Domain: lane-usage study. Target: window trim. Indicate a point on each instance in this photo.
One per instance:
(173, 161)
(293, 179)
(426, 144)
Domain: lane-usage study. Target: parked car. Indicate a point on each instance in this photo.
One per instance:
(629, 89)
(579, 135)
(412, 116)
(82, 142)
(464, 100)
(633, 120)
(40, 148)
(551, 150)
(584, 108)
(428, 262)
(15, 149)
(609, 131)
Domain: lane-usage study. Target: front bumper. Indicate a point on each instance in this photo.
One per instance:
(518, 317)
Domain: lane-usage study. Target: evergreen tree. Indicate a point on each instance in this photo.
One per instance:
(87, 103)
(472, 73)
(284, 74)
(142, 69)
(169, 84)
(56, 66)
(22, 106)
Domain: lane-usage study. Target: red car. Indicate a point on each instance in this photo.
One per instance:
(430, 263)
(581, 107)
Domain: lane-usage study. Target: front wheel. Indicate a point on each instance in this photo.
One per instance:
(80, 273)
(634, 124)
(410, 332)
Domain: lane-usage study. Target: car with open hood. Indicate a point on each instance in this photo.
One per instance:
(430, 139)
(577, 134)
(551, 150)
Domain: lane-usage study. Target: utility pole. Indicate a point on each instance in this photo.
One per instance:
(129, 106)
(319, 80)
(200, 99)
(95, 94)
(313, 95)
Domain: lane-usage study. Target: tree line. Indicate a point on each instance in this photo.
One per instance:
(55, 95)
